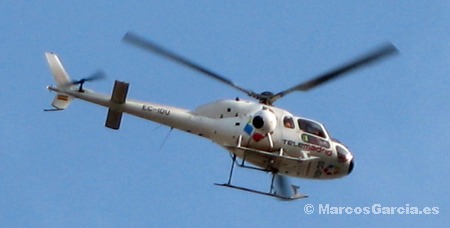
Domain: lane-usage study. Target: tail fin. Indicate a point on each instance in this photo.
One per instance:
(62, 80)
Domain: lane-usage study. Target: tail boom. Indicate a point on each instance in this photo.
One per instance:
(117, 104)
(170, 116)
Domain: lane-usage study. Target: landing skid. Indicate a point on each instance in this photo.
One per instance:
(294, 197)
(272, 193)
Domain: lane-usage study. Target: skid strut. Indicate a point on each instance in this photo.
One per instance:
(231, 169)
(271, 192)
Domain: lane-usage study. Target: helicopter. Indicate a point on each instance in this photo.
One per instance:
(258, 135)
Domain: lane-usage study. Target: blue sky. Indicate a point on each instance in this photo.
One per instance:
(64, 169)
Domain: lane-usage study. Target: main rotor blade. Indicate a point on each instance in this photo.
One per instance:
(384, 51)
(152, 47)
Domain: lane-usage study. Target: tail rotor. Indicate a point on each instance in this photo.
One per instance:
(99, 75)
(64, 83)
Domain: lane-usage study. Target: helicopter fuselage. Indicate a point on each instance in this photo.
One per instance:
(269, 138)
(265, 136)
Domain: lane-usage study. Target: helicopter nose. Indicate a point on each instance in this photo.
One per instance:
(351, 166)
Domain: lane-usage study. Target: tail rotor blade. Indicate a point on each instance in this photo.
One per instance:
(96, 76)
(93, 77)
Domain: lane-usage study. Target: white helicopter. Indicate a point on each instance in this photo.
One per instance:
(269, 138)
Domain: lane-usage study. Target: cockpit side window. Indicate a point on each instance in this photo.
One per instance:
(288, 122)
(311, 128)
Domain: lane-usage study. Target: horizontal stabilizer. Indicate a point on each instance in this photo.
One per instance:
(118, 96)
(113, 119)
(120, 91)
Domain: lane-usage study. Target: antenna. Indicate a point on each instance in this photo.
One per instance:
(165, 140)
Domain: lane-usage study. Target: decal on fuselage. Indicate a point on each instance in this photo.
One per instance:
(308, 147)
(161, 111)
(319, 169)
(63, 97)
(331, 170)
(250, 130)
